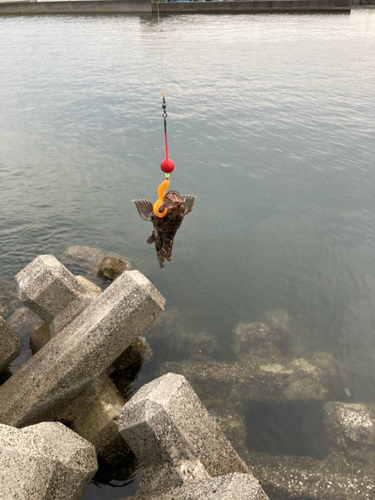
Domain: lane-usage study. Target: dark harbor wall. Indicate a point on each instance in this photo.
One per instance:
(145, 6)
(77, 7)
(256, 6)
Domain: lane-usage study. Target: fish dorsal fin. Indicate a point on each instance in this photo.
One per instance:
(145, 209)
(189, 203)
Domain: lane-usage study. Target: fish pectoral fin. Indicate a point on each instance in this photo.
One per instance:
(145, 209)
(189, 203)
(151, 239)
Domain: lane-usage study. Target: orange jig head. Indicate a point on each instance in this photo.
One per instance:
(161, 192)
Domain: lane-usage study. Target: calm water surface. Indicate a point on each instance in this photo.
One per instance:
(271, 125)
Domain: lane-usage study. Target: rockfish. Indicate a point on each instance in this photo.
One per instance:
(165, 228)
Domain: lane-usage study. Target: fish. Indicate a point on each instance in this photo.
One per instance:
(165, 228)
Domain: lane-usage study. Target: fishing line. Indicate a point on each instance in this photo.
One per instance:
(167, 165)
(161, 56)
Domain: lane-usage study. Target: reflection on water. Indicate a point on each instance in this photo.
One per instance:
(270, 125)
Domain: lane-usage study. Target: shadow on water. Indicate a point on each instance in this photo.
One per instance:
(113, 482)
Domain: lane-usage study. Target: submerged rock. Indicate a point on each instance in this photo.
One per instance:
(294, 337)
(10, 344)
(89, 260)
(229, 414)
(45, 461)
(347, 473)
(248, 337)
(261, 379)
(335, 478)
(111, 267)
(350, 429)
(332, 370)
(171, 339)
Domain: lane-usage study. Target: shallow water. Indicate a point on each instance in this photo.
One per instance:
(271, 125)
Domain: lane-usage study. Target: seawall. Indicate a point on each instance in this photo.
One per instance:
(145, 6)
(255, 6)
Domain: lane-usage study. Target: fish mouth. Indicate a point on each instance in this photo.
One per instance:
(172, 199)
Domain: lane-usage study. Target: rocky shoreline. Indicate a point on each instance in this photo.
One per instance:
(194, 427)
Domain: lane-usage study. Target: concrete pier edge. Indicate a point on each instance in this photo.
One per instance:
(146, 6)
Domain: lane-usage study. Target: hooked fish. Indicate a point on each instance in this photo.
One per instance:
(165, 228)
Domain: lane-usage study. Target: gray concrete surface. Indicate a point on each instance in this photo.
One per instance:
(48, 289)
(175, 439)
(47, 461)
(10, 344)
(230, 487)
(83, 350)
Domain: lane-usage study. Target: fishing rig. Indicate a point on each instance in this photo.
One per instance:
(174, 206)
(167, 166)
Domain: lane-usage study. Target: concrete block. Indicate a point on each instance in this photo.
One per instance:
(186, 455)
(40, 338)
(100, 424)
(124, 370)
(10, 344)
(47, 288)
(44, 462)
(93, 289)
(165, 423)
(42, 335)
(230, 487)
(24, 322)
(83, 350)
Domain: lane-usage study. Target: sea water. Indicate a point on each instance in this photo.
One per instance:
(270, 123)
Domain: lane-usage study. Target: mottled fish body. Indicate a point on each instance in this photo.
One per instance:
(165, 228)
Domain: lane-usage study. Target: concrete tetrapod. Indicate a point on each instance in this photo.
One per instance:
(47, 461)
(181, 446)
(52, 292)
(10, 344)
(83, 350)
